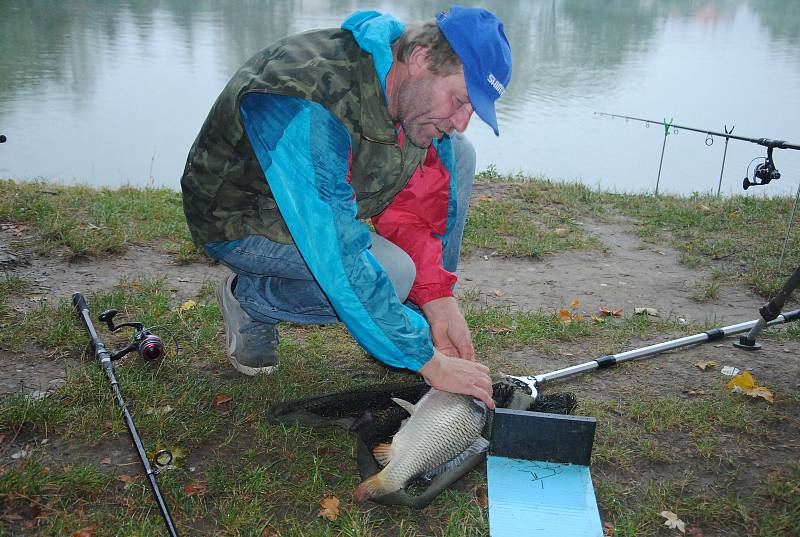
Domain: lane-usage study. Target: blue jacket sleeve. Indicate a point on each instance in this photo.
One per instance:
(305, 154)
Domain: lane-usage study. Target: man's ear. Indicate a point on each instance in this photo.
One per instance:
(417, 61)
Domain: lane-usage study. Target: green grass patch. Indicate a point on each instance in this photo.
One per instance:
(90, 222)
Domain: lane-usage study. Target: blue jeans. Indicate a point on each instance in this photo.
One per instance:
(274, 284)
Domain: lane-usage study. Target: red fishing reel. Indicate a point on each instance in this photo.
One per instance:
(149, 345)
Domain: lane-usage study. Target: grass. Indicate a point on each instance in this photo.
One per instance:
(90, 222)
(236, 473)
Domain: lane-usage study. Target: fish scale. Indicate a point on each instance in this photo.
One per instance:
(442, 425)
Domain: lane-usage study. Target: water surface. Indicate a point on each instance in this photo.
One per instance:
(109, 93)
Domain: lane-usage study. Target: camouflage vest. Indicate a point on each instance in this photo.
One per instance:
(225, 193)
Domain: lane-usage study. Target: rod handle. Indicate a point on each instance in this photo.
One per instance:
(79, 302)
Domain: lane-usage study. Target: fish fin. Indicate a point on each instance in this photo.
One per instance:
(478, 446)
(408, 407)
(382, 453)
(372, 487)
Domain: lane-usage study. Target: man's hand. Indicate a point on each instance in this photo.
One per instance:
(449, 330)
(457, 375)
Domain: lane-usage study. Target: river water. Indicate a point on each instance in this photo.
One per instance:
(111, 93)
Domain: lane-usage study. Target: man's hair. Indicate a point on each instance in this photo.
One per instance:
(442, 59)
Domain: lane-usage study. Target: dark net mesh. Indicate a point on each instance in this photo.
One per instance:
(373, 417)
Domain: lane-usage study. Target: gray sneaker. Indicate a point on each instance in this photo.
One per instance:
(251, 344)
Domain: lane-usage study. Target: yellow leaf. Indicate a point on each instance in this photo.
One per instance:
(565, 316)
(575, 303)
(578, 317)
(330, 508)
(743, 381)
(485, 198)
(498, 292)
(761, 391)
(705, 365)
(189, 304)
(732, 216)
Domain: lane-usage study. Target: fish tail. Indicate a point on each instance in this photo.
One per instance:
(371, 487)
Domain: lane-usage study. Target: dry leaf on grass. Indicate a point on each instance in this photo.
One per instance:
(88, 531)
(330, 508)
(221, 399)
(673, 522)
(195, 489)
(610, 312)
(608, 529)
(482, 496)
(575, 303)
(189, 304)
(746, 384)
(705, 365)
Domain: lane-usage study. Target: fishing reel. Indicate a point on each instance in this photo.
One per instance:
(149, 345)
(763, 173)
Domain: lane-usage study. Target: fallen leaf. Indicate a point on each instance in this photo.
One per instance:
(561, 232)
(482, 496)
(705, 365)
(189, 304)
(88, 531)
(608, 529)
(221, 399)
(267, 531)
(105, 461)
(617, 312)
(745, 383)
(330, 508)
(485, 198)
(498, 292)
(597, 319)
(578, 317)
(673, 522)
(195, 489)
(703, 208)
(761, 391)
(575, 303)
(125, 478)
(499, 329)
(652, 312)
(565, 316)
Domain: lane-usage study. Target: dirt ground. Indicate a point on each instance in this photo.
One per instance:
(629, 275)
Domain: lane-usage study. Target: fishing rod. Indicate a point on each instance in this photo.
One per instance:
(533, 382)
(151, 349)
(770, 315)
(763, 173)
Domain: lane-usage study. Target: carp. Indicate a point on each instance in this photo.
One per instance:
(441, 427)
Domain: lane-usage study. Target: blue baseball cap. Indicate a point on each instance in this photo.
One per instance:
(477, 37)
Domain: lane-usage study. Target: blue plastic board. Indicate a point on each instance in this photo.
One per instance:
(537, 498)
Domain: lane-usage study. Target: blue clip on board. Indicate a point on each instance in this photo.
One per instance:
(539, 483)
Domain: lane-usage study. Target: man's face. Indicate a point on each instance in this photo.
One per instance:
(430, 105)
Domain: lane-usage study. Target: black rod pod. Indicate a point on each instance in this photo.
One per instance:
(104, 357)
(149, 345)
